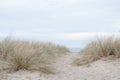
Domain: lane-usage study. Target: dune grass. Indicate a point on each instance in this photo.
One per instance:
(95, 50)
(20, 54)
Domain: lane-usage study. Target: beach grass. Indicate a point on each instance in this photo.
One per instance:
(95, 50)
(29, 55)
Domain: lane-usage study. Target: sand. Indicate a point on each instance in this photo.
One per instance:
(99, 70)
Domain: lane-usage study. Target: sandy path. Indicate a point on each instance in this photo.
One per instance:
(99, 70)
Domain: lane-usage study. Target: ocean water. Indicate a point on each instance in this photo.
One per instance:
(74, 49)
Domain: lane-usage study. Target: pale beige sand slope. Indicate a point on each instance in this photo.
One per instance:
(99, 70)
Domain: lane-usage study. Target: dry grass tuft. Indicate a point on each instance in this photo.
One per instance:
(98, 49)
(28, 55)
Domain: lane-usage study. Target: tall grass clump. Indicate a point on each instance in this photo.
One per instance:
(101, 47)
(20, 54)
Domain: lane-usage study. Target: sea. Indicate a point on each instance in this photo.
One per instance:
(74, 50)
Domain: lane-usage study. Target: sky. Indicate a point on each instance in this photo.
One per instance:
(72, 23)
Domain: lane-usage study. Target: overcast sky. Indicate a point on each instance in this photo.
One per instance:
(68, 22)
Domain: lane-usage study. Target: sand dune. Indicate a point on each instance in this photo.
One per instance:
(99, 70)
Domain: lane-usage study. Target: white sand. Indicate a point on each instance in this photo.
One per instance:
(99, 70)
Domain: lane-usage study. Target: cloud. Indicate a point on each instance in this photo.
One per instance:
(84, 15)
(79, 36)
(59, 20)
